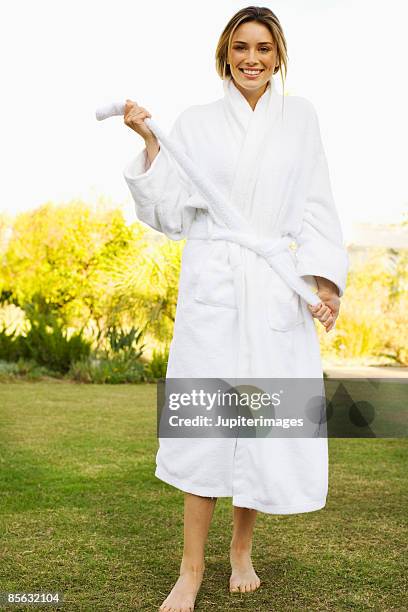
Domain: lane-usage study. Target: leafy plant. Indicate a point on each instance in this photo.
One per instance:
(48, 344)
(107, 371)
(10, 346)
(27, 369)
(157, 366)
(123, 342)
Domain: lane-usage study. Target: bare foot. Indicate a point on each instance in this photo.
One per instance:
(183, 595)
(243, 577)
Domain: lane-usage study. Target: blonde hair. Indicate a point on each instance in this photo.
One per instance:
(262, 15)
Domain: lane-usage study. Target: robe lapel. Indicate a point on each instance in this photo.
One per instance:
(252, 129)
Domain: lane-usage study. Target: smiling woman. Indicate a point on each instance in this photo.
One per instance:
(236, 319)
(252, 51)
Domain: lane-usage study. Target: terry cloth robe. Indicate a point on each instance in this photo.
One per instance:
(235, 315)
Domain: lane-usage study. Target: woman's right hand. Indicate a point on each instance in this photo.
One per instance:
(134, 117)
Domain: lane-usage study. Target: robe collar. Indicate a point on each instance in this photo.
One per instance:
(241, 111)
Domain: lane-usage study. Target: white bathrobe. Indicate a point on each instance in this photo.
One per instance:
(236, 317)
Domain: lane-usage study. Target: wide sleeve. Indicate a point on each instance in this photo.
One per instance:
(321, 250)
(164, 197)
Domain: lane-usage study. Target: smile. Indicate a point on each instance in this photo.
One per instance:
(251, 72)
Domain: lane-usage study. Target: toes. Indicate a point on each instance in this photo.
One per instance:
(245, 587)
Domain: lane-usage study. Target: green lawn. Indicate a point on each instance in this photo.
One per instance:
(82, 513)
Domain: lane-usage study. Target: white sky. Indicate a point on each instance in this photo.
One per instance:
(62, 59)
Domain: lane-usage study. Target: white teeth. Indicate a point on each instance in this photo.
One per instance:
(251, 71)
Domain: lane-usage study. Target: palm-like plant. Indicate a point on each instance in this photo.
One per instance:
(144, 281)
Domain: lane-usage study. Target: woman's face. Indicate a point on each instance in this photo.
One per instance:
(252, 47)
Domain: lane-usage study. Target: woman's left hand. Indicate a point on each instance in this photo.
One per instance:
(328, 311)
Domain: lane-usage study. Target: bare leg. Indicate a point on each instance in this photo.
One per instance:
(243, 576)
(198, 512)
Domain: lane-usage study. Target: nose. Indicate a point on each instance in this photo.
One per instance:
(252, 57)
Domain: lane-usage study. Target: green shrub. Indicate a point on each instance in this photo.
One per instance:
(157, 366)
(28, 369)
(124, 343)
(120, 361)
(10, 345)
(48, 344)
(7, 369)
(107, 371)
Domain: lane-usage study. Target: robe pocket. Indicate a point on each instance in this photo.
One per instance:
(284, 309)
(215, 281)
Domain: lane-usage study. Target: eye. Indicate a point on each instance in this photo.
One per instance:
(241, 48)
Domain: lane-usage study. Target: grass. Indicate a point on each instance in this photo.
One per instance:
(83, 513)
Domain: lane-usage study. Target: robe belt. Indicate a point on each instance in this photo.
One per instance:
(275, 251)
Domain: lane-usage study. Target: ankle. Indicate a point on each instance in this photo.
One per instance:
(194, 566)
(241, 547)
